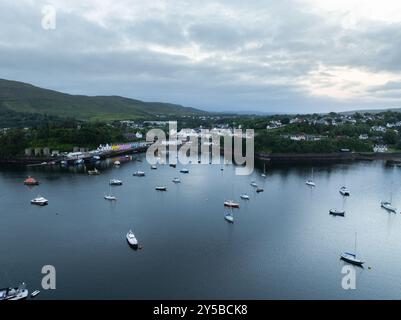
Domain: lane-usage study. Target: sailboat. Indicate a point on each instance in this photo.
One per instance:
(254, 184)
(264, 170)
(388, 204)
(351, 257)
(344, 191)
(244, 196)
(229, 217)
(109, 196)
(338, 212)
(310, 182)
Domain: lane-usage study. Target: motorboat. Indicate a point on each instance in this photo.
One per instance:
(94, 172)
(19, 293)
(388, 206)
(115, 182)
(161, 188)
(258, 190)
(40, 201)
(231, 204)
(244, 196)
(31, 182)
(229, 217)
(153, 167)
(351, 258)
(344, 191)
(337, 212)
(254, 184)
(176, 180)
(184, 170)
(310, 183)
(139, 174)
(132, 240)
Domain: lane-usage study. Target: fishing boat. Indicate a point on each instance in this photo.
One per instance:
(94, 172)
(35, 293)
(244, 196)
(115, 182)
(310, 181)
(229, 217)
(40, 201)
(184, 170)
(337, 212)
(254, 184)
(161, 188)
(31, 182)
(176, 180)
(19, 293)
(153, 167)
(258, 190)
(351, 257)
(388, 206)
(231, 204)
(344, 191)
(132, 240)
(139, 174)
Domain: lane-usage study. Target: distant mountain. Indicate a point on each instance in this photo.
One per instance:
(27, 99)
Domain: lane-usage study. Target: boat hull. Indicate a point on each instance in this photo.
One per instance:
(355, 262)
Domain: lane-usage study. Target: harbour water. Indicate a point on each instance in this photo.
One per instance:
(282, 245)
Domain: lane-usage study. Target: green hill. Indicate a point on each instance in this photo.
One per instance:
(19, 97)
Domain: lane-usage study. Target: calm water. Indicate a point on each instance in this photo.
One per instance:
(283, 244)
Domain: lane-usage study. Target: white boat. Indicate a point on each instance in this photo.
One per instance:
(153, 167)
(254, 184)
(184, 170)
(19, 293)
(139, 174)
(337, 212)
(351, 257)
(231, 204)
(161, 188)
(310, 181)
(117, 163)
(93, 172)
(388, 206)
(132, 240)
(40, 201)
(176, 180)
(109, 197)
(115, 182)
(244, 196)
(344, 191)
(35, 293)
(229, 217)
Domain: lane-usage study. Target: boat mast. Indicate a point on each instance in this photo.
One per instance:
(355, 244)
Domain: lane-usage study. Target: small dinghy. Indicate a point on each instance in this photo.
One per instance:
(244, 196)
(132, 240)
(19, 293)
(351, 258)
(161, 188)
(139, 174)
(344, 192)
(231, 204)
(388, 206)
(40, 201)
(184, 170)
(254, 184)
(35, 293)
(337, 212)
(229, 217)
(176, 180)
(116, 182)
(258, 190)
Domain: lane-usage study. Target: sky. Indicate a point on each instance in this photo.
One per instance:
(296, 56)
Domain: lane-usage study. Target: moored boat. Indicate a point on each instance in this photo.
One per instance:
(184, 170)
(132, 240)
(19, 293)
(40, 201)
(176, 180)
(161, 188)
(244, 196)
(231, 204)
(115, 182)
(388, 206)
(254, 184)
(351, 258)
(153, 167)
(229, 217)
(31, 182)
(139, 174)
(109, 197)
(344, 191)
(258, 190)
(337, 212)
(93, 172)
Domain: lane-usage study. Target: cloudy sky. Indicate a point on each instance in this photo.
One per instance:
(257, 55)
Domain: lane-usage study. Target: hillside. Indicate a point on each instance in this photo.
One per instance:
(27, 99)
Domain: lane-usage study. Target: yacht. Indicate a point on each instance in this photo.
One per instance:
(310, 181)
(231, 204)
(184, 170)
(388, 206)
(344, 192)
(337, 212)
(176, 180)
(161, 188)
(139, 174)
(19, 293)
(40, 201)
(229, 217)
(254, 184)
(244, 196)
(116, 182)
(132, 240)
